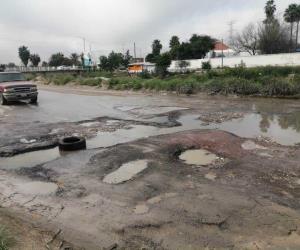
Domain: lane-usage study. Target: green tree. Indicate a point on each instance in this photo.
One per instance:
(11, 65)
(45, 64)
(174, 47)
(104, 63)
(74, 59)
(184, 51)
(270, 10)
(297, 20)
(2, 67)
(115, 60)
(273, 39)
(290, 17)
(112, 62)
(35, 59)
(57, 60)
(127, 59)
(174, 42)
(163, 61)
(156, 47)
(150, 58)
(201, 45)
(24, 55)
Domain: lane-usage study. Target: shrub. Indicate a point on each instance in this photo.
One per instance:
(91, 81)
(30, 77)
(145, 75)
(137, 85)
(274, 86)
(233, 86)
(61, 79)
(206, 65)
(6, 240)
(113, 82)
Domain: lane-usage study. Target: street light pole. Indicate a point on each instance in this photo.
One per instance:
(222, 54)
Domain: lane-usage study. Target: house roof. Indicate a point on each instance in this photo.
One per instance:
(221, 46)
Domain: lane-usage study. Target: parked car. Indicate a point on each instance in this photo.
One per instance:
(14, 87)
(63, 67)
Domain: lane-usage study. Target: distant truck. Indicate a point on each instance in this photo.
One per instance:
(14, 87)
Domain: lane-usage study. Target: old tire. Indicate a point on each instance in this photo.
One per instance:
(71, 143)
(3, 101)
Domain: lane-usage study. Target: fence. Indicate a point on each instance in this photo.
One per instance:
(289, 59)
(44, 69)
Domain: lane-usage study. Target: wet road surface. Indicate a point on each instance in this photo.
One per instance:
(131, 181)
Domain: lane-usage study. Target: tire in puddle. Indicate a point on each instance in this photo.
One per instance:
(126, 172)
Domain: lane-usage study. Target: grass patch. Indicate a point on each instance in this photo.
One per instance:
(6, 239)
(262, 81)
(90, 81)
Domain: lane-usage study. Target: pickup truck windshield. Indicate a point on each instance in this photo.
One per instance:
(11, 77)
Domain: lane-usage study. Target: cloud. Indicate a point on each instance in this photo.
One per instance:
(47, 27)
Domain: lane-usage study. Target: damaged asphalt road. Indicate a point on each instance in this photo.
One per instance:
(132, 190)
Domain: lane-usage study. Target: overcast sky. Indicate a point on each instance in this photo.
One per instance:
(49, 26)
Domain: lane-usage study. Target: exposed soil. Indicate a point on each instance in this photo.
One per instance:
(247, 196)
(170, 205)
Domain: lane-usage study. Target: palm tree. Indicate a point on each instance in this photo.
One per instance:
(297, 20)
(290, 17)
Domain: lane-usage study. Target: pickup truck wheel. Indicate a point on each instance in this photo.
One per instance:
(3, 101)
(71, 143)
(34, 100)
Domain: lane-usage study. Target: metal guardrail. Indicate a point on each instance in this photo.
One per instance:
(44, 69)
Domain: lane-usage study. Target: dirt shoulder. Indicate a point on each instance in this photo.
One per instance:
(28, 236)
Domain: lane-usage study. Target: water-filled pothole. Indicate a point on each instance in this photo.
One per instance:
(37, 188)
(126, 172)
(199, 157)
(30, 159)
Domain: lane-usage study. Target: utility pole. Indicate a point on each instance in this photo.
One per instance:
(83, 44)
(134, 49)
(231, 31)
(222, 53)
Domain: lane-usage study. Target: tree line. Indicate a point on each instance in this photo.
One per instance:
(57, 59)
(271, 36)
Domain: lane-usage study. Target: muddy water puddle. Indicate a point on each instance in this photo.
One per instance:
(36, 188)
(198, 157)
(283, 129)
(151, 110)
(126, 172)
(30, 159)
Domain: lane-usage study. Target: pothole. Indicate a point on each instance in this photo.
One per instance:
(30, 159)
(37, 188)
(90, 124)
(199, 157)
(250, 145)
(141, 209)
(211, 176)
(126, 172)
